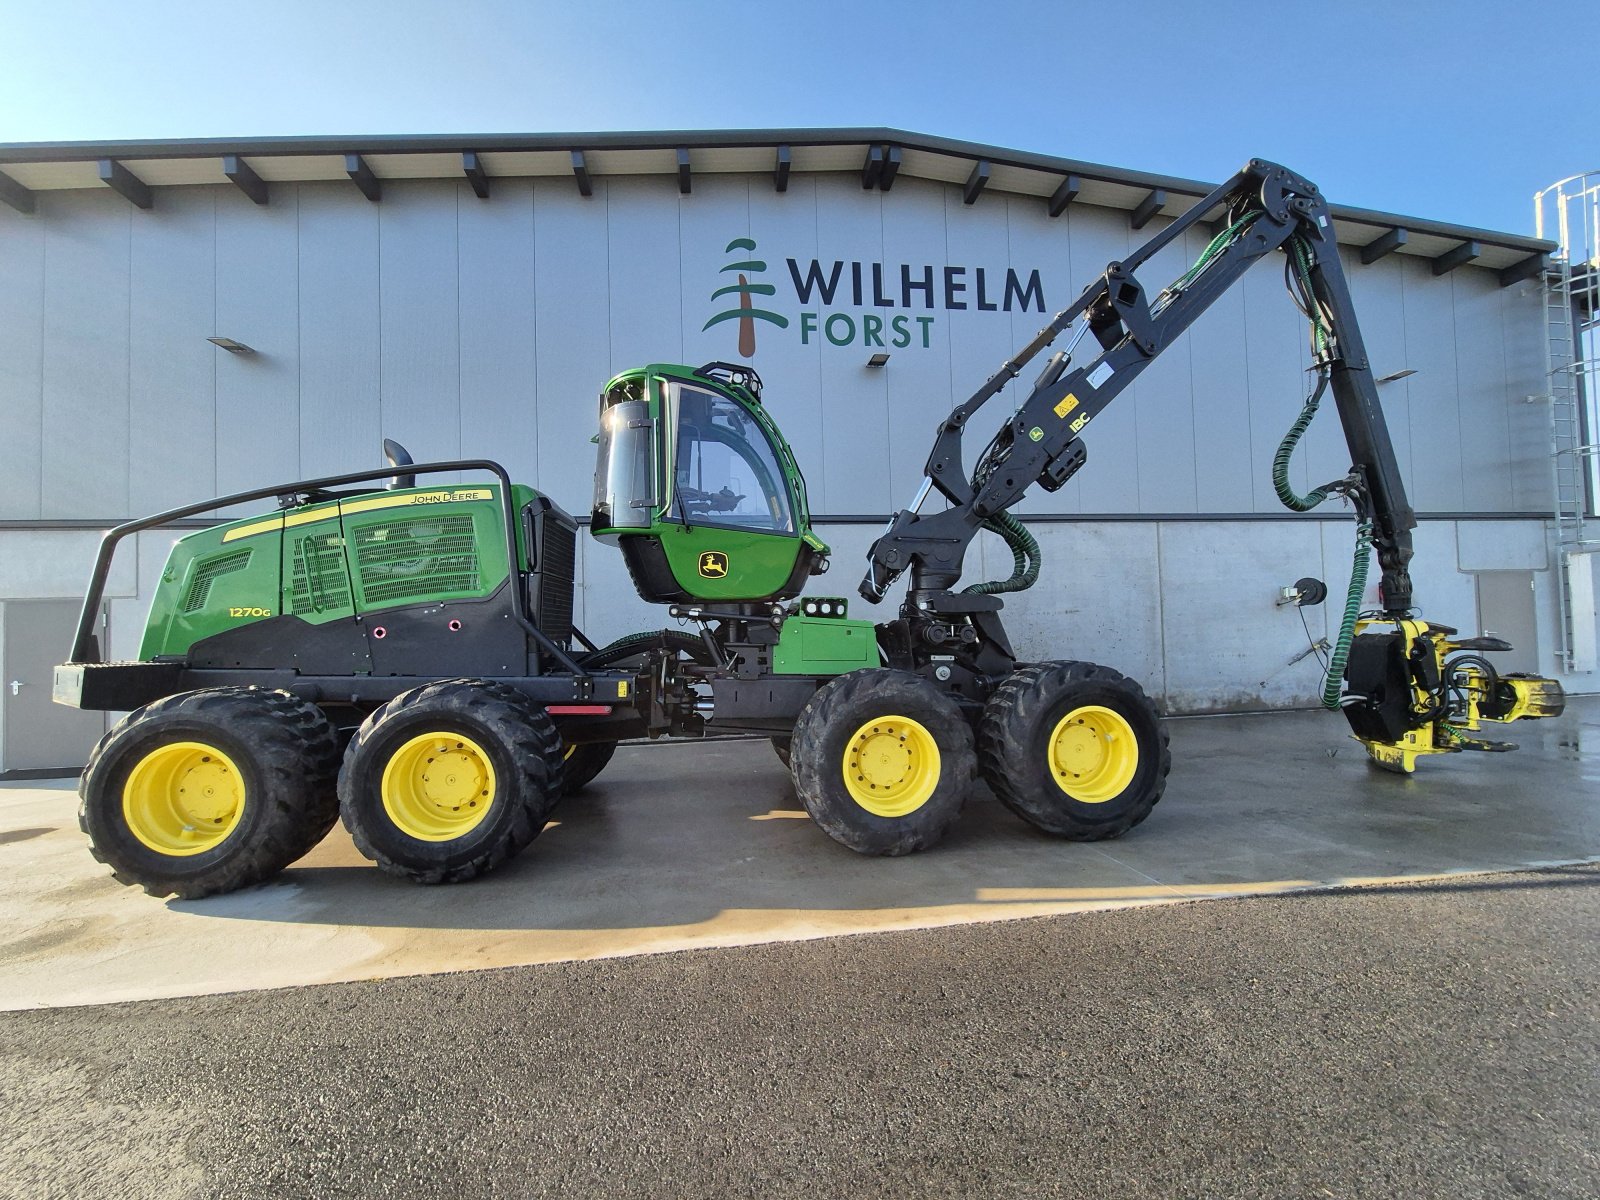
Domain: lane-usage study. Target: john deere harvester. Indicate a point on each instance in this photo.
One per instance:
(426, 628)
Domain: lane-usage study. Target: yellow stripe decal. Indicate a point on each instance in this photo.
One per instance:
(417, 498)
(312, 515)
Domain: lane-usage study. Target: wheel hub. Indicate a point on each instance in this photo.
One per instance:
(1093, 754)
(438, 786)
(891, 766)
(183, 798)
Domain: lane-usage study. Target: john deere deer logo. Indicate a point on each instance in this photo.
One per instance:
(746, 314)
(714, 565)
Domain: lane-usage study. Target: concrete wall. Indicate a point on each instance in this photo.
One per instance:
(468, 327)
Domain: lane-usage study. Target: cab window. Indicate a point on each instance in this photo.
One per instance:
(725, 471)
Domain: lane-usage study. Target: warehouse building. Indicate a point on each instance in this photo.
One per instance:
(180, 320)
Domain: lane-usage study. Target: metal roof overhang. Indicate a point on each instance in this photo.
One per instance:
(50, 166)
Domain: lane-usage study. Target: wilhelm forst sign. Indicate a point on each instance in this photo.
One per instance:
(898, 298)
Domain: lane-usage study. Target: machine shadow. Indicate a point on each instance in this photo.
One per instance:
(709, 840)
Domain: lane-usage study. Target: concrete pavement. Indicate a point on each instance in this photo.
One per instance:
(1432, 1040)
(703, 845)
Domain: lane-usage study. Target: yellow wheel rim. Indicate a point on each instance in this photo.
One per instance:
(183, 798)
(1093, 754)
(438, 786)
(891, 766)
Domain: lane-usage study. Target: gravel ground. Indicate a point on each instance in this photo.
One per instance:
(1429, 1040)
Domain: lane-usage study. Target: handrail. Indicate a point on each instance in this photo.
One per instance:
(85, 649)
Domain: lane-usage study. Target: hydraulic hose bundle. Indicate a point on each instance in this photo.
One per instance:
(1298, 272)
(1025, 555)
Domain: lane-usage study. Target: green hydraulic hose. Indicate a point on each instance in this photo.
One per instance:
(1025, 556)
(1300, 257)
(1352, 613)
(1280, 460)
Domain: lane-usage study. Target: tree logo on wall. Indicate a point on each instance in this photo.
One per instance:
(745, 313)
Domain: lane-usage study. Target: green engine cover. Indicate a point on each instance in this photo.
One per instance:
(330, 561)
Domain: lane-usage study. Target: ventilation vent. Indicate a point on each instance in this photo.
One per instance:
(210, 570)
(416, 558)
(318, 582)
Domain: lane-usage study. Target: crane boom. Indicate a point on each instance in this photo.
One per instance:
(1402, 692)
(1265, 208)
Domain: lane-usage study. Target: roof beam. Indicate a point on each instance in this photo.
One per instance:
(1148, 207)
(1460, 256)
(361, 175)
(14, 194)
(580, 172)
(872, 168)
(1386, 243)
(780, 172)
(1064, 195)
(976, 182)
(127, 185)
(1528, 268)
(685, 179)
(891, 167)
(242, 177)
(472, 168)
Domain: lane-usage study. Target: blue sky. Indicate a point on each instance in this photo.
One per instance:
(1452, 111)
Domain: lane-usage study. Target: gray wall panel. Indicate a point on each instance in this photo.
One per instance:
(644, 265)
(850, 228)
(258, 303)
(419, 365)
(1226, 457)
(84, 454)
(171, 366)
(1528, 419)
(340, 382)
(498, 323)
(21, 362)
(1227, 645)
(1436, 461)
(1099, 598)
(572, 296)
(783, 225)
(1484, 405)
(918, 384)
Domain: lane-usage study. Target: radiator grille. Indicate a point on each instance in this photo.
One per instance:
(210, 570)
(318, 581)
(557, 553)
(416, 558)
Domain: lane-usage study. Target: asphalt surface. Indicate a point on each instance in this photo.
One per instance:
(1439, 1039)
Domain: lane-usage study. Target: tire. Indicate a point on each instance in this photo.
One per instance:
(581, 763)
(783, 748)
(1046, 720)
(506, 758)
(925, 761)
(266, 762)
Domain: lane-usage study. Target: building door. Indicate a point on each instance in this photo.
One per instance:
(40, 735)
(1506, 610)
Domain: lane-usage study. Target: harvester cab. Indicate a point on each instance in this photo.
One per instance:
(696, 485)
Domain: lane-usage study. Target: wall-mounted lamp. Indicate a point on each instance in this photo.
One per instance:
(880, 359)
(1396, 375)
(231, 346)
